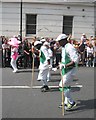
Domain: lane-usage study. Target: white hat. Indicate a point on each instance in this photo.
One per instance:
(43, 40)
(83, 34)
(46, 43)
(37, 42)
(61, 37)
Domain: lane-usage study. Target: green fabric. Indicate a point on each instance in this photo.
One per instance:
(66, 70)
(65, 88)
(42, 57)
(67, 60)
(63, 71)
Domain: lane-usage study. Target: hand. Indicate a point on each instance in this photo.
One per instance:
(50, 67)
(27, 53)
(61, 66)
(54, 69)
(34, 55)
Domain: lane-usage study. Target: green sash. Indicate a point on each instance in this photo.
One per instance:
(65, 88)
(67, 60)
(42, 57)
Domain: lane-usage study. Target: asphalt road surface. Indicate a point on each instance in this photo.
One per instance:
(26, 102)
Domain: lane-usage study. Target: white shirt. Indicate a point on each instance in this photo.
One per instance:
(44, 64)
(90, 50)
(50, 53)
(71, 51)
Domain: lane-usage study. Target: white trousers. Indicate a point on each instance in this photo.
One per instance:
(67, 79)
(13, 64)
(40, 77)
(43, 76)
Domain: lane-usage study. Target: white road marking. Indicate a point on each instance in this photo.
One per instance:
(34, 87)
(9, 87)
(79, 86)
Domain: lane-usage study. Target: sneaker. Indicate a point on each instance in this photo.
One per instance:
(48, 80)
(71, 106)
(38, 79)
(14, 71)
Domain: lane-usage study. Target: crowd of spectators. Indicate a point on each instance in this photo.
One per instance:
(86, 48)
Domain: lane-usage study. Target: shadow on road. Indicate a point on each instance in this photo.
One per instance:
(83, 105)
(27, 70)
(73, 89)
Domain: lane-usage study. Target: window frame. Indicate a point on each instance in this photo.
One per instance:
(31, 24)
(65, 25)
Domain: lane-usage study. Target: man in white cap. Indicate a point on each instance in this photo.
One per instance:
(68, 69)
(44, 66)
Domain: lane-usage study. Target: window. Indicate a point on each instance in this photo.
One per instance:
(31, 24)
(67, 24)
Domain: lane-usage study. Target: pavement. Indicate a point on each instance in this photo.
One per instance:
(20, 100)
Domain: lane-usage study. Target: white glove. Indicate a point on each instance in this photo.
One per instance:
(54, 69)
(61, 66)
(34, 55)
(50, 67)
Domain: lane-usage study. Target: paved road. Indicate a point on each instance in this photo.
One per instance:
(32, 103)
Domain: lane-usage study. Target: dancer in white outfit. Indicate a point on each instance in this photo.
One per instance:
(44, 66)
(51, 58)
(68, 69)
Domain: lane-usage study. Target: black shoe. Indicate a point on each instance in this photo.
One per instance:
(44, 88)
(38, 80)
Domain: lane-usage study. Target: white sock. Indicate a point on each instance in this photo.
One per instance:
(68, 97)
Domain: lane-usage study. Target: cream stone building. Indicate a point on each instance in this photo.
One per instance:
(48, 18)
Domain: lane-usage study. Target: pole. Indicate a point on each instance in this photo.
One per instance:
(21, 21)
(62, 89)
(62, 94)
(32, 73)
(32, 67)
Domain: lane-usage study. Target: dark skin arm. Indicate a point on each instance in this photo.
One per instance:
(70, 64)
(48, 61)
(63, 43)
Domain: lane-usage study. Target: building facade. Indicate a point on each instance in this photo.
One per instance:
(48, 18)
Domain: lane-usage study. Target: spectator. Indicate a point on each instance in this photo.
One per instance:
(94, 54)
(82, 48)
(83, 39)
(91, 40)
(57, 50)
(52, 42)
(89, 55)
(6, 53)
(26, 49)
